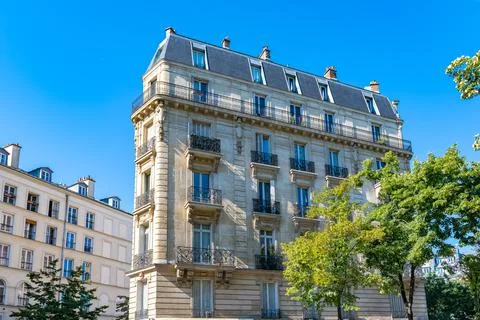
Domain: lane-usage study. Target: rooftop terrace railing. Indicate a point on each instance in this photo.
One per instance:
(275, 114)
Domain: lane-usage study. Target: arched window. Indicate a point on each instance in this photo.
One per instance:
(3, 291)
(22, 297)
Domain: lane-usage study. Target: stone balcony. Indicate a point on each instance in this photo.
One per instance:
(264, 165)
(203, 205)
(335, 175)
(145, 151)
(142, 260)
(266, 214)
(302, 172)
(203, 153)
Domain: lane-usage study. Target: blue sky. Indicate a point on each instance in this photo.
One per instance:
(69, 72)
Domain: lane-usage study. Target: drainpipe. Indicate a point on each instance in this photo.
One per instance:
(63, 235)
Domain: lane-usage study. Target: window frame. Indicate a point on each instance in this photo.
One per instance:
(82, 190)
(90, 239)
(260, 73)
(67, 262)
(9, 196)
(72, 215)
(4, 227)
(196, 52)
(90, 220)
(26, 259)
(70, 240)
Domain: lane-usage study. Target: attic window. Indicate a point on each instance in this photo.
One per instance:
(82, 190)
(45, 175)
(371, 106)
(3, 158)
(324, 92)
(199, 58)
(292, 83)
(257, 74)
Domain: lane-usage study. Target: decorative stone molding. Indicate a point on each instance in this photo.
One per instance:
(264, 171)
(302, 178)
(266, 221)
(198, 160)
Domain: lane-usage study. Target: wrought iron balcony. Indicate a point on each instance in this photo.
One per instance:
(266, 206)
(29, 234)
(278, 115)
(32, 206)
(302, 165)
(269, 262)
(204, 143)
(142, 260)
(144, 198)
(26, 265)
(220, 257)
(205, 195)
(203, 313)
(264, 158)
(4, 261)
(141, 314)
(335, 171)
(146, 147)
(22, 301)
(6, 228)
(301, 210)
(270, 313)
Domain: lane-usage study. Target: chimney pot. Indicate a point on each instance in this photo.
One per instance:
(375, 86)
(226, 43)
(331, 73)
(169, 31)
(265, 55)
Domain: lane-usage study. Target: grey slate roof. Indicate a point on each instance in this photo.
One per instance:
(233, 64)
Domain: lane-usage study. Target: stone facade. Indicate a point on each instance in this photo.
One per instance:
(212, 210)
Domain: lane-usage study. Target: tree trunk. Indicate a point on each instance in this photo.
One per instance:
(411, 291)
(405, 299)
(339, 312)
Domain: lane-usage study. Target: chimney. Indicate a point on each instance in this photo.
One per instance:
(90, 182)
(14, 155)
(265, 55)
(226, 43)
(169, 31)
(395, 105)
(374, 86)
(331, 73)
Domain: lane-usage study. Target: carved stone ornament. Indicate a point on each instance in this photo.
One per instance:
(161, 121)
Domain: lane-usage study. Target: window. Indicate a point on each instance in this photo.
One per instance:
(3, 290)
(142, 300)
(202, 238)
(267, 245)
(202, 298)
(370, 105)
(82, 190)
(201, 187)
(299, 150)
(257, 74)
(32, 202)
(72, 215)
(9, 194)
(88, 245)
(200, 91)
(329, 122)
(263, 143)
(67, 267)
(45, 175)
(70, 240)
(4, 255)
(264, 196)
(22, 294)
(379, 164)
(53, 209)
(199, 58)
(6, 224)
(270, 300)
(152, 86)
(115, 203)
(89, 220)
(324, 92)
(303, 201)
(295, 114)
(260, 106)
(30, 229)
(144, 238)
(51, 235)
(86, 271)
(3, 158)
(376, 135)
(333, 158)
(292, 83)
(105, 275)
(48, 260)
(201, 129)
(26, 261)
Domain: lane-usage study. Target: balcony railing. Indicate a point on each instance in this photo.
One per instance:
(265, 158)
(335, 171)
(266, 206)
(9, 197)
(204, 143)
(270, 313)
(301, 210)
(302, 165)
(32, 206)
(276, 114)
(22, 301)
(141, 314)
(205, 195)
(203, 313)
(4, 261)
(51, 240)
(29, 234)
(146, 147)
(142, 260)
(26, 265)
(6, 228)
(219, 257)
(269, 262)
(144, 198)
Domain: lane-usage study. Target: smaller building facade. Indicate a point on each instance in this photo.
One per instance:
(41, 221)
(444, 266)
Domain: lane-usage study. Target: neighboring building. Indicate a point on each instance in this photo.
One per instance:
(229, 148)
(444, 266)
(41, 221)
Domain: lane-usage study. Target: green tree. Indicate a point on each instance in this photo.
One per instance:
(122, 308)
(323, 268)
(418, 212)
(50, 298)
(470, 264)
(448, 299)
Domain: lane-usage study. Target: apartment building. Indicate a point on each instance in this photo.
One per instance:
(41, 221)
(229, 148)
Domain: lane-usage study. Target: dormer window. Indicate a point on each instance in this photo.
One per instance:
(199, 58)
(45, 175)
(324, 92)
(371, 106)
(82, 190)
(257, 74)
(292, 83)
(115, 204)
(3, 158)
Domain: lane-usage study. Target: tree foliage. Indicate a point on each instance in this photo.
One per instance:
(50, 298)
(448, 299)
(122, 308)
(470, 264)
(465, 71)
